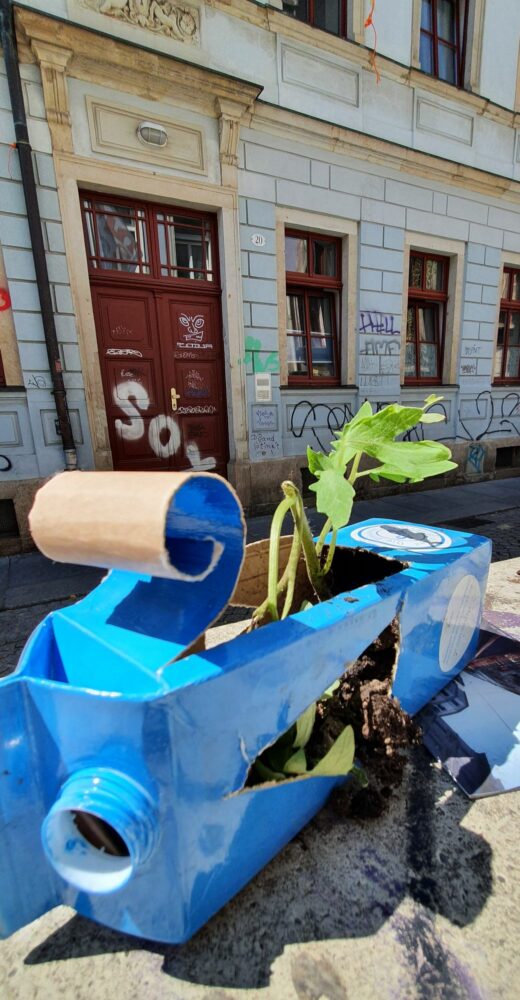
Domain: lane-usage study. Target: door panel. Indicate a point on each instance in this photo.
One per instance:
(193, 367)
(126, 325)
(160, 343)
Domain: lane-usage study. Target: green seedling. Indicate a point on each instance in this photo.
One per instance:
(369, 435)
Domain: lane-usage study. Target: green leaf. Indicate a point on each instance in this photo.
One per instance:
(334, 497)
(339, 759)
(304, 726)
(297, 764)
(387, 472)
(266, 774)
(316, 461)
(430, 400)
(364, 411)
(432, 418)
(330, 690)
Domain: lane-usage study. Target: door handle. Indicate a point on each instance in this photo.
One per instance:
(174, 395)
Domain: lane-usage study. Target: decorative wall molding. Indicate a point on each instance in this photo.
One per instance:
(146, 73)
(10, 431)
(303, 68)
(162, 17)
(437, 119)
(113, 131)
(53, 61)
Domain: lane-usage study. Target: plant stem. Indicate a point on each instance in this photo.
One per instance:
(330, 553)
(312, 562)
(291, 571)
(274, 546)
(323, 534)
(353, 475)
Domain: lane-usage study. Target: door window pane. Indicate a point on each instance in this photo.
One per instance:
(296, 254)
(515, 286)
(513, 362)
(504, 294)
(121, 238)
(184, 247)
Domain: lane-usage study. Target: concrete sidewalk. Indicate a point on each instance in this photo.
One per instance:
(31, 579)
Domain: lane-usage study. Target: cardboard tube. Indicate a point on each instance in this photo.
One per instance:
(123, 520)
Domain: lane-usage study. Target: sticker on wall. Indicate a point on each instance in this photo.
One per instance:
(402, 536)
(460, 622)
(258, 240)
(263, 392)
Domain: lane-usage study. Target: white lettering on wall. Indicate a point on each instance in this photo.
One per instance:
(164, 436)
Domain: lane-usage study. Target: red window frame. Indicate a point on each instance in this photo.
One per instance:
(149, 214)
(460, 15)
(420, 297)
(508, 308)
(309, 284)
(311, 16)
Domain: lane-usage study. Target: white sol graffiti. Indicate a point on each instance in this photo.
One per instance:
(164, 436)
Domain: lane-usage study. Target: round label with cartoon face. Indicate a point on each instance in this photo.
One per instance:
(409, 537)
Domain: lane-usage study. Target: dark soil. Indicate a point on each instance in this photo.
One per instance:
(382, 729)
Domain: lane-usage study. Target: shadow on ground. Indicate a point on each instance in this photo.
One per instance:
(336, 879)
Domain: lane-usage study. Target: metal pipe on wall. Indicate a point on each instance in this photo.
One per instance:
(8, 43)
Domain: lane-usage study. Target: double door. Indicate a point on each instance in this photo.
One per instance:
(158, 322)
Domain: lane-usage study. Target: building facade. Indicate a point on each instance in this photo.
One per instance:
(251, 226)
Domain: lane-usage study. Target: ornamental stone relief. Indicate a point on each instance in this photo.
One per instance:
(161, 16)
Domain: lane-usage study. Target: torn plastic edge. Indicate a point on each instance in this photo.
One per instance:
(290, 779)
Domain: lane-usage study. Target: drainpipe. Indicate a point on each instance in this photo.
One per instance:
(8, 43)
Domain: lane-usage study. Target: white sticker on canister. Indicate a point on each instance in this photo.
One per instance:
(462, 616)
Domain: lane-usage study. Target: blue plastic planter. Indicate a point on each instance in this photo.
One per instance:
(102, 719)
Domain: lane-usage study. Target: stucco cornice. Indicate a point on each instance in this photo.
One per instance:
(273, 120)
(138, 71)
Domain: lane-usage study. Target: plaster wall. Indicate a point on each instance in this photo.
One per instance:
(309, 70)
(28, 435)
(391, 214)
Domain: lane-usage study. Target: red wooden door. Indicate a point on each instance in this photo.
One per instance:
(194, 378)
(156, 298)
